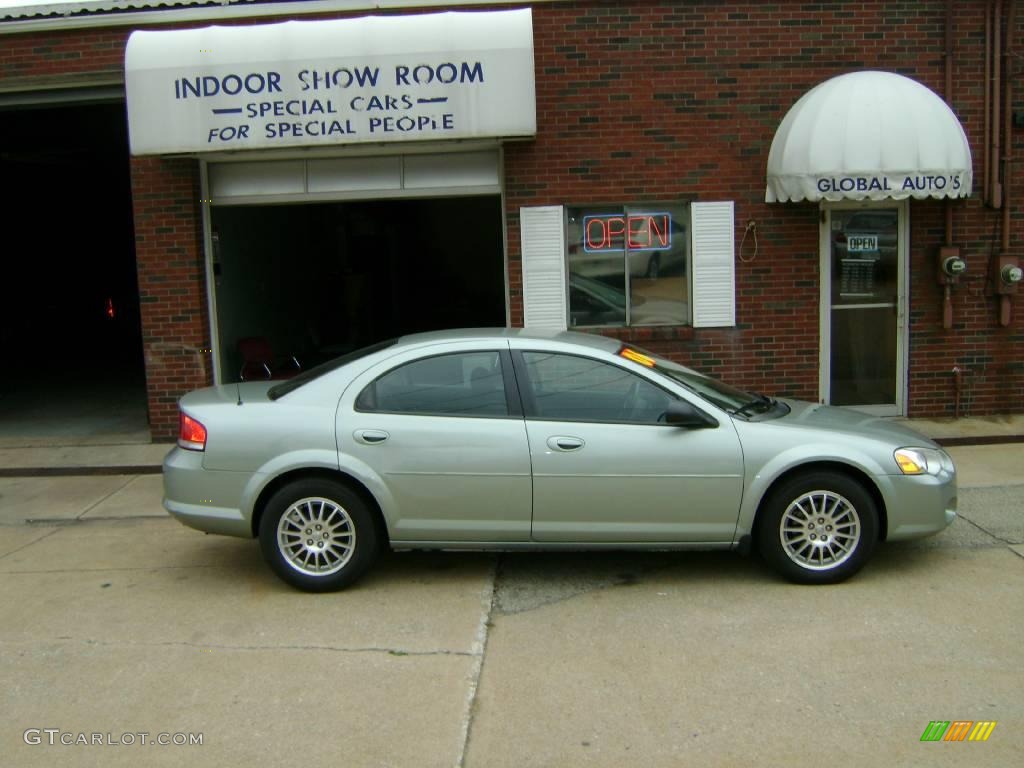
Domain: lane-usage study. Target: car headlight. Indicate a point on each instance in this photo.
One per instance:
(920, 461)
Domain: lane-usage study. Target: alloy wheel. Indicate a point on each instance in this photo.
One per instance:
(316, 536)
(820, 530)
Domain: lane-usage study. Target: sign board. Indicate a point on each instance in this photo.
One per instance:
(878, 186)
(604, 233)
(857, 278)
(861, 243)
(375, 79)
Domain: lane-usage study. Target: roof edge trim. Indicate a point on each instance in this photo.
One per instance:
(208, 14)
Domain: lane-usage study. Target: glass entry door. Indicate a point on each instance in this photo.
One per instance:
(863, 354)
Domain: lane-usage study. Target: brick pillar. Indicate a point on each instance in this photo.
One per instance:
(172, 285)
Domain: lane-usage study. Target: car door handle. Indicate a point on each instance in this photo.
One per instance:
(370, 436)
(565, 443)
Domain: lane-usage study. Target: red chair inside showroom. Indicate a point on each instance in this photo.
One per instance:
(259, 362)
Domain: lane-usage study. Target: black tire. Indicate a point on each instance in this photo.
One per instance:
(824, 548)
(324, 558)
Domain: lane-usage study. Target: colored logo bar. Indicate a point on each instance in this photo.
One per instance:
(958, 730)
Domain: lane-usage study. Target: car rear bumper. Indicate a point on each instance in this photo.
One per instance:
(195, 496)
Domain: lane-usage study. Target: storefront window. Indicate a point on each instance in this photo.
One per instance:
(628, 264)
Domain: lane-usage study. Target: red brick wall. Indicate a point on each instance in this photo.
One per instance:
(37, 54)
(638, 100)
(172, 285)
(646, 101)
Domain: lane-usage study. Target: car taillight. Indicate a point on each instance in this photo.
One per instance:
(191, 434)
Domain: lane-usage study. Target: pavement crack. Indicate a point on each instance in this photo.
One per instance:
(987, 532)
(479, 648)
(64, 522)
(93, 506)
(126, 569)
(210, 647)
(29, 544)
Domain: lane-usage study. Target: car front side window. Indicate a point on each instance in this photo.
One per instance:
(573, 388)
(459, 384)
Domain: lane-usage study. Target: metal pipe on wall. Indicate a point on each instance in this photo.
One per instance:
(1011, 28)
(949, 100)
(947, 289)
(1007, 158)
(995, 198)
(986, 110)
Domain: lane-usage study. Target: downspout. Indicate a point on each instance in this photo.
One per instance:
(1004, 299)
(995, 198)
(947, 290)
(949, 101)
(986, 195)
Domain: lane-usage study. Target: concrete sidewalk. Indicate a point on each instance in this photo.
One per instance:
(105, 458)
(118, 620)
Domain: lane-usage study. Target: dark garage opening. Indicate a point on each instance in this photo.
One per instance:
(71, 337)
(317, 280)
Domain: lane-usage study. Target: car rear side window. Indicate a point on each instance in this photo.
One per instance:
(460, 384)
(282, 389)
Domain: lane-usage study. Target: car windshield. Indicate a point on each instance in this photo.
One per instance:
(726, 397)
(290, 385)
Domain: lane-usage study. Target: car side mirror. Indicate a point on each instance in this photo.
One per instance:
(681, 413)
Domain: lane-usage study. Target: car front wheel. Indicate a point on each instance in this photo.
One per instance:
(317, 535)
(818, 528)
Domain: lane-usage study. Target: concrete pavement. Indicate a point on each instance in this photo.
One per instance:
(117, 620)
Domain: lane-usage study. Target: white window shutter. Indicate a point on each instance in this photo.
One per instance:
(714, 265)
(542, 233)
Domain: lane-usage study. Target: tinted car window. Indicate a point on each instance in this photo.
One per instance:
(282, 389)
(571, 388)
(464, 384)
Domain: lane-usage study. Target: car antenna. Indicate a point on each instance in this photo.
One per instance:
(238, 387)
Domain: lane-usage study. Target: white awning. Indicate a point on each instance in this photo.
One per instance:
(869, 136)
(377, 79)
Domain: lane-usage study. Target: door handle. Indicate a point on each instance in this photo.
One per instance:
(565, 443)
(370, 436)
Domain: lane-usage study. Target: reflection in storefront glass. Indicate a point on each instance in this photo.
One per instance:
(628, 265)
(865, 285)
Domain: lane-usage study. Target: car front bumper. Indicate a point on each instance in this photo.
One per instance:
(920, 505)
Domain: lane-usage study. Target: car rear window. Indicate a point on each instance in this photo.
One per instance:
(290, 385)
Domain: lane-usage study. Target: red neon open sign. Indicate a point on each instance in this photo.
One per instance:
(635, 231)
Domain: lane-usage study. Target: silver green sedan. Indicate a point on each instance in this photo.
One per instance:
(505, 439)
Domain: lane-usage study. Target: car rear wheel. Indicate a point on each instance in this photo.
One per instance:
(818, 528)
(317, 535)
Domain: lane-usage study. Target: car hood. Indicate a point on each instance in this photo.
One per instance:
(827, 418)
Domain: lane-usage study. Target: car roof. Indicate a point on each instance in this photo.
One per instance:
(602, 343)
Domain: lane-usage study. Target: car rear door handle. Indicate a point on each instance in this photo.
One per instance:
(370, 436)
(565, 443)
